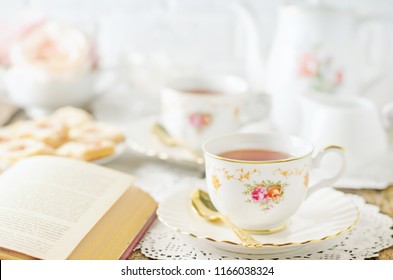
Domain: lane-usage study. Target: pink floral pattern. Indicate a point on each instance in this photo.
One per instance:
(309, 65)
(13, 33)
(320, 72)
(200, 120)
(266, 193)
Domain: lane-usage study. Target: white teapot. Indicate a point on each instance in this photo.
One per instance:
(319, 48)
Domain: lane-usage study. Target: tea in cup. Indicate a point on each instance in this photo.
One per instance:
(260, 180)
(195, 109)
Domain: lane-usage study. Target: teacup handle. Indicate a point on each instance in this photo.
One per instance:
(316, 161)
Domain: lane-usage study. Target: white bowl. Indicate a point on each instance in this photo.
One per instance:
(40, 92)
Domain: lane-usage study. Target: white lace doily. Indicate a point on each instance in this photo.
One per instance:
(372, 234)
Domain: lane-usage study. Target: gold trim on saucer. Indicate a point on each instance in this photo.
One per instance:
(266, 231)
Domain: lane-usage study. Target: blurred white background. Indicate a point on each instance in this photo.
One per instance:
(141, 43)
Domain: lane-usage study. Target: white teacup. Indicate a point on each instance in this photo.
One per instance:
(260, 196)
(195, 109)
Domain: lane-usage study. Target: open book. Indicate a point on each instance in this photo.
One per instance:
(57, 208)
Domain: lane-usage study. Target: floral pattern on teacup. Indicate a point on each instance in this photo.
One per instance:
(265, 193)
(216, 182)
(236, 112)
(306, 180)
(289, 172)
(240, 174)
(320, 71)
(200, 120)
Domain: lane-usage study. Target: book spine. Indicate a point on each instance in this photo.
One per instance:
(138, 237)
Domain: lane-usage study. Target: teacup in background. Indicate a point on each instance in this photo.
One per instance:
(260, 196)
(196, 117)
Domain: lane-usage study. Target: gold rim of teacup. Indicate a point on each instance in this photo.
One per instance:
(257, 161)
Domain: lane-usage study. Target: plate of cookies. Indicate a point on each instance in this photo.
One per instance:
(68, 132)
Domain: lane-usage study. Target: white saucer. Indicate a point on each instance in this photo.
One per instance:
(325, 215)
(141, 140)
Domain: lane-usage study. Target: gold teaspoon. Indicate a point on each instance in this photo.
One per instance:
(204, 207)
(163, 136)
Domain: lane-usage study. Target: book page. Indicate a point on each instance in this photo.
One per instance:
(48, 204)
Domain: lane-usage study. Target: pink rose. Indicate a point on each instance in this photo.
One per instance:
(339, 77)
(200, 120)
(54, 48)
(309, 65)
(259, 195)
(196, 120)
(11, 34)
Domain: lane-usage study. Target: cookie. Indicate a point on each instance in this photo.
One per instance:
(17, 149)
(95, 131)
(6, 134)
(87, 150)
(52, 132)
(71, 116)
